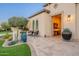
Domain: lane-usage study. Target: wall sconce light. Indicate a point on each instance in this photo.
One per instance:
(68, 17)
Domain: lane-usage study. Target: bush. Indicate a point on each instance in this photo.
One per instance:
(8, 36)
(67, 31)
(1, 29)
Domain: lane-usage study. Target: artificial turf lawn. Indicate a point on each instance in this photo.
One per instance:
(19, 50)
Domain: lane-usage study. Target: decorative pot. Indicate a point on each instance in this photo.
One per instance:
(66, 34)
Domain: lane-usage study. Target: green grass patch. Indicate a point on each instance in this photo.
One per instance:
(5, 32)
(1, 42)
(19, 50)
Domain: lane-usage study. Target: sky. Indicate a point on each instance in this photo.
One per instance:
(8, 10)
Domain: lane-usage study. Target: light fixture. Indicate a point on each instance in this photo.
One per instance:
(68, 17)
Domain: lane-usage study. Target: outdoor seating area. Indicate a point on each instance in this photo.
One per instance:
(53, 46)
(32, 33)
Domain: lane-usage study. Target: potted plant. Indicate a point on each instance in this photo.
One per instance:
(66, 34)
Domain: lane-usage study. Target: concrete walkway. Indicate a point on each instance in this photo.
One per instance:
(52, 47)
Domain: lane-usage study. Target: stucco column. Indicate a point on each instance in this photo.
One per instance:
(14, 30)
(19, 34)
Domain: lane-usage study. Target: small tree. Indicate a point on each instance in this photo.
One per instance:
(5, 26)
(0, 29)
(18, 22)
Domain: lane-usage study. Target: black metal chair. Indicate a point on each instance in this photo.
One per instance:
(36, 33)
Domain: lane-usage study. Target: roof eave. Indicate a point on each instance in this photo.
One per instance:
(39, 13)
(47, 4)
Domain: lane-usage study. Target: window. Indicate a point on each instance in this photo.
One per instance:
(36, 24)
(33, 25)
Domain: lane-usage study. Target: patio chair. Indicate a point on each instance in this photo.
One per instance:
(30, 33)
(36, 33)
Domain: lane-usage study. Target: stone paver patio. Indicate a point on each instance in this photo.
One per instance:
(52, 47)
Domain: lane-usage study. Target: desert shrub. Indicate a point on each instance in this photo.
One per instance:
(8, 36)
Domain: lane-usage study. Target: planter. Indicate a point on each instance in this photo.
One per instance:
(23, 36)
(66, 34)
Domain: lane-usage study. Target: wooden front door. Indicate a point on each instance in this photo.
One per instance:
(56, 23)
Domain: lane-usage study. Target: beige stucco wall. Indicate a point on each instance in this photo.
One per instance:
(65, 10)
(48, 25)
(44, 19)
(43, 24)
(77, 21)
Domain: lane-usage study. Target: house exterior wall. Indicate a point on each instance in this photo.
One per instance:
(77, 21)
(43, 23)
(48, 25)
(65, 10)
